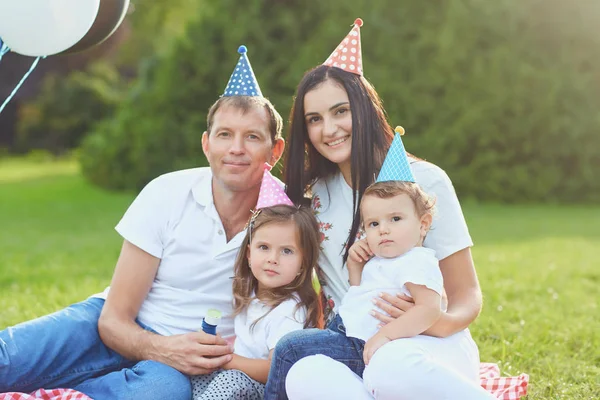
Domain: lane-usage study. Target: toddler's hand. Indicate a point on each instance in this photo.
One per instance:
(360, 252)
(373, 345)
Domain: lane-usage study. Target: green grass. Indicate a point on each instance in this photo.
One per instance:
(538, 266)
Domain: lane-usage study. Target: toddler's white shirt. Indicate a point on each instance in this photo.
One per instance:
(387, 275)
(332, 202)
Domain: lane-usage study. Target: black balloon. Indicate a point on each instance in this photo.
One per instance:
(110, 15)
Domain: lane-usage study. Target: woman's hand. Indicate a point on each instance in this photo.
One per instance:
(396, 306)
(392, 306)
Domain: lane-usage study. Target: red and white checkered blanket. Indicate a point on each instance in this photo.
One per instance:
(504, 388)
(53, 394)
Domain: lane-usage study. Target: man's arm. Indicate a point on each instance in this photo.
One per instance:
(131, 282)
(256, 369)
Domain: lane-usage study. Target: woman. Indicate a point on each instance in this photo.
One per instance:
(338, 140)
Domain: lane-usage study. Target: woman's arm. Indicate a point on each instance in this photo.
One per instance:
(132, 280)
(462, 289)
(419, 318)
(257, 369)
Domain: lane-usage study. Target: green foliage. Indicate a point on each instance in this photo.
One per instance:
(503, 95)
(67, 108)
(158, 129)
(500, 94)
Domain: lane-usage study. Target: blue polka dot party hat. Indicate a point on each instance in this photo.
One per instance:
(396, 166)
(242, 81)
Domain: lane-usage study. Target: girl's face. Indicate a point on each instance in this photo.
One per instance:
(274, 255)
(329, 122)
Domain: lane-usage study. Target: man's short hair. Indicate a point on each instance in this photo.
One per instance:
(246, 103)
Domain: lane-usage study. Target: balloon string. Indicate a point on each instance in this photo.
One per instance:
(33, 65)
(3, 50)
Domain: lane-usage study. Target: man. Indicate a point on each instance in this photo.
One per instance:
(181, 237)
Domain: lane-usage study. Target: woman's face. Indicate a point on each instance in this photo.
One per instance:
(329, 122)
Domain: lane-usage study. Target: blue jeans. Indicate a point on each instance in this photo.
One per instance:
(294, 346)
(64, 349)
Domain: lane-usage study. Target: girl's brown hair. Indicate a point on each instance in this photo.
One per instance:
(245, 285)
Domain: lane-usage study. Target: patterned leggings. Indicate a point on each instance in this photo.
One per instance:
(226, 385)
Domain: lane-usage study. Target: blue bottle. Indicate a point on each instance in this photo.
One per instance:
(210, 321)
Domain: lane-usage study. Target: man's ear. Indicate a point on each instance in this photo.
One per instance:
(426, 221)
(277, 151)
(205, 143)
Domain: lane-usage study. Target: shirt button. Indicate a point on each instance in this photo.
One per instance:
(220, 231)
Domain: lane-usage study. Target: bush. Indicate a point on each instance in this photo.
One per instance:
(503, 95)
(159, 127)
(67, 108)
(500, 94)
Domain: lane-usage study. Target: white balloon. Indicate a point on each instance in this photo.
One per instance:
(45, 27)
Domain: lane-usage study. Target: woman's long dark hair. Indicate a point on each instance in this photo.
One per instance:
(371, 138)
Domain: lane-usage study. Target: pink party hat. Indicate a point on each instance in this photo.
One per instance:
(348, 55)
(271, 192)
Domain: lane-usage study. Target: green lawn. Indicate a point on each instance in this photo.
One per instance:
(538, 265)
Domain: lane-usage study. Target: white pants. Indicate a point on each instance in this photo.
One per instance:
(420, 367)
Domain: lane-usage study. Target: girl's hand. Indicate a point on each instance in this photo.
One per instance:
(373, 345)
(359, 253)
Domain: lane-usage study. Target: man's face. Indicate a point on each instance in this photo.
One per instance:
(238, 146)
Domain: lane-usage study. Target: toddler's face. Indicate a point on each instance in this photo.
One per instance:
(392, 225)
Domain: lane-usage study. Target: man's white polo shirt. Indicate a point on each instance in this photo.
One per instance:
(174, 218)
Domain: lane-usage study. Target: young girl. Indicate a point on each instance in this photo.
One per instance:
(273, 295)
(337, 142)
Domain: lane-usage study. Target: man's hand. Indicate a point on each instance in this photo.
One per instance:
(373, 344)
(195, 353)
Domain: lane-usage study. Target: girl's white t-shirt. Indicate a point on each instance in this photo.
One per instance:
(388, 275)
(258, 340)
(332, 203)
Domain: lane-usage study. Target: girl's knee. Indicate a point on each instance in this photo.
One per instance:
(290, 347)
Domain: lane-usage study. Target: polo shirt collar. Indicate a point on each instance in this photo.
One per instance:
(202, 190)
